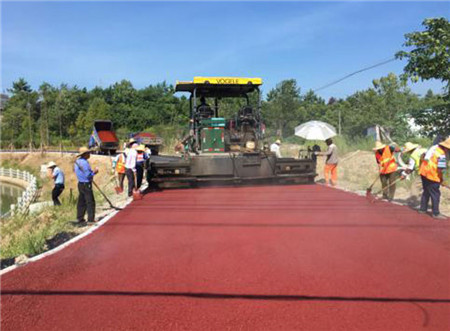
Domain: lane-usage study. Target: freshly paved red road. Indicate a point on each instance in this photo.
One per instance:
(251, 258)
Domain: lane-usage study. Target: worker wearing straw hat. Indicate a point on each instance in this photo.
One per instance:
(118, 167)
(85, 175)
(141, 158)
(58, 176)
(130, 168)
(416, 154)
(384, 155)
(431, 171)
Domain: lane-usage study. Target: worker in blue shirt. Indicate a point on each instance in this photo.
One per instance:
(85, 175)
(58, 176)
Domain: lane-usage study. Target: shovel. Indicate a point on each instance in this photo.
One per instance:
(137, 195)
(372, 197)
(106, 198)
(117, 188)
(369, 189)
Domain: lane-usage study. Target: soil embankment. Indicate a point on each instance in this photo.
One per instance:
(356, 171)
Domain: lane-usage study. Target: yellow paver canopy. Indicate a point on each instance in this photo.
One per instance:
(219, 86)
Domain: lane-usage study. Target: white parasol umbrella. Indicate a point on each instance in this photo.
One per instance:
(315, 130)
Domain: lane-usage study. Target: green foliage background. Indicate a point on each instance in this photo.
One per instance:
(52, 114)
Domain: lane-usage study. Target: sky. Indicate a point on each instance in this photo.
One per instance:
(92, 44)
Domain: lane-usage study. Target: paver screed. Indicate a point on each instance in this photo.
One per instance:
(303, 257)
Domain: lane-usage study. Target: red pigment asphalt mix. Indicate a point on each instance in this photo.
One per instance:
(249, 258)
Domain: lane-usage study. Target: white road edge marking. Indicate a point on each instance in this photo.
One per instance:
(68, 243)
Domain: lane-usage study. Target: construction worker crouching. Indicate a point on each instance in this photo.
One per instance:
(431, 171)
(384, 155)
(416, 154)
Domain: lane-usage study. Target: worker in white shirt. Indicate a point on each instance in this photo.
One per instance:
(130, 168)
(275, 148)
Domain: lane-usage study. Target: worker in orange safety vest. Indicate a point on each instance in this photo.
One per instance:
(119, 167)
(384, 155)
(431, 171)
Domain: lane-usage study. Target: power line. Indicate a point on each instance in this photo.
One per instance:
(354, 73)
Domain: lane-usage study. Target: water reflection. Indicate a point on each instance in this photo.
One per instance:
(9, 195)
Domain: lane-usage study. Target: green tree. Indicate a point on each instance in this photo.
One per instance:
(430, 56)
(98, 110)
(282, 110)
(20, 115)
(432, 115)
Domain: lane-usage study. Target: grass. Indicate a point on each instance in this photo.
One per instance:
(28, 234)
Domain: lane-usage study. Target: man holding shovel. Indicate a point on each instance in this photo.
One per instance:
(387, 164)
(431, 172)
(85, 176)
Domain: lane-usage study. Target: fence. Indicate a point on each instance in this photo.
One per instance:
(28, 195)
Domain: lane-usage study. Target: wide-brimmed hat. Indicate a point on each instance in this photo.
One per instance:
(445, 143)
(83, 150)
(409, 147)
(278, 142)
(51, 164)
(134, 146)
(141, 148)
(379, 145)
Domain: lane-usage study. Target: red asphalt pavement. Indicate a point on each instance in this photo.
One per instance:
(250, 258)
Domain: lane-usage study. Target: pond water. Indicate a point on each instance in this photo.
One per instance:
(9, 195)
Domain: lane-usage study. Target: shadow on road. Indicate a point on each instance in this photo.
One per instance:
(278, 225)
(201, 295)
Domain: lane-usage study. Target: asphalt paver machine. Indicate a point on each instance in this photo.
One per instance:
(228, 149)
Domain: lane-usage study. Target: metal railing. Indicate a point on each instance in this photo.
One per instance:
(28, 195)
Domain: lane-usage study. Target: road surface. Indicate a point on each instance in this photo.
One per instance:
(250, 258)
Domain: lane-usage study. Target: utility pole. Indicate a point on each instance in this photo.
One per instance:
(339, 121)
(60, 123)
(29, 126)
